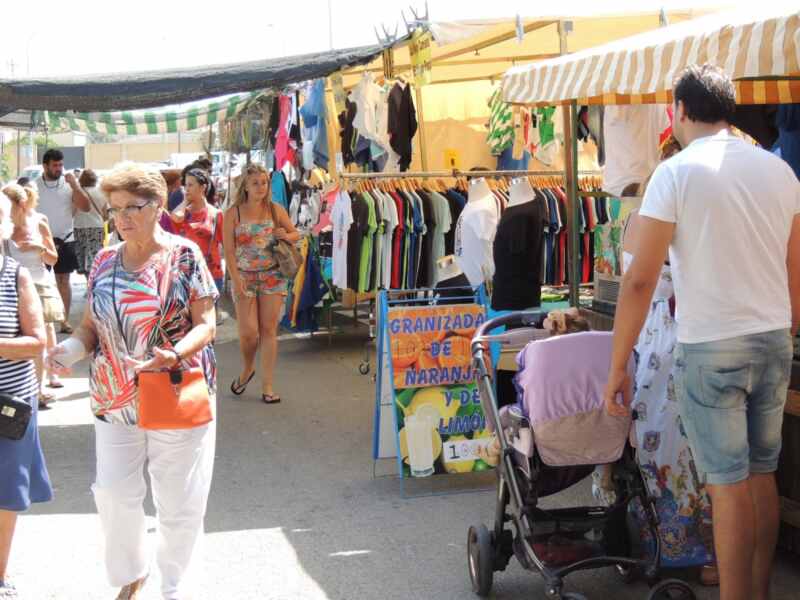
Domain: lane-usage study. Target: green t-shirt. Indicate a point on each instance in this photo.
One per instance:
(365, 265)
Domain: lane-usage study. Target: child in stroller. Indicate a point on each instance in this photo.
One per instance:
(551, 440)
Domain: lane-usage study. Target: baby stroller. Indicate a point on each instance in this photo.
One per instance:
(549, 441)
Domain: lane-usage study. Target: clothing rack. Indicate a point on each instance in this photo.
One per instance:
(458, 173)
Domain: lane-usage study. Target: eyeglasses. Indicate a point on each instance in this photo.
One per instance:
(128, 211)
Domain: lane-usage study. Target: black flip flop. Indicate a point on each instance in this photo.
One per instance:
(270, 398)
(238, 388)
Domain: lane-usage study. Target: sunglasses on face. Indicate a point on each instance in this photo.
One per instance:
(128, 211)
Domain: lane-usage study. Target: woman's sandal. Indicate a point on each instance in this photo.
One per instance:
(131, 591)
(238, 387)
(270, 398)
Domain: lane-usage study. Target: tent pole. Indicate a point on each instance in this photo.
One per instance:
(571, 180)
(570, 113)
(19, 166)
(423, 146)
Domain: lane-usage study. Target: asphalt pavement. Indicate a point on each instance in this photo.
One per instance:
(298, 509)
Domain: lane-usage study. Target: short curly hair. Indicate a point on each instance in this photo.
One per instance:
(707, 93)
(134, 179)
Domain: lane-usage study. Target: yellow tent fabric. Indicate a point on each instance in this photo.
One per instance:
(757, 42)
(464, 74)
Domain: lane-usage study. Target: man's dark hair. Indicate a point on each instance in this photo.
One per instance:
(54, 154)
(707, 94)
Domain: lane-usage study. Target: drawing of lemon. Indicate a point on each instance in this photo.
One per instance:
(437, 398)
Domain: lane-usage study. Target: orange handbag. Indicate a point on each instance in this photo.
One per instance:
(176, 399)
(168, 399)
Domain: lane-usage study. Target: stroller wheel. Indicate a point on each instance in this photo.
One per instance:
(672, 589)
(480, 556)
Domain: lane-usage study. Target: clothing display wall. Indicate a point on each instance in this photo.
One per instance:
(378, 125)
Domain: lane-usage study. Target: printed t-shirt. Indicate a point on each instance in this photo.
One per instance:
(342, 219)
(475, 233)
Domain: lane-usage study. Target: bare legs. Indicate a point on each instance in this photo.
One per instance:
(269, 311)
(257, 320)
(62, 281)
(8, 521)
(746, 518)
(247, 322)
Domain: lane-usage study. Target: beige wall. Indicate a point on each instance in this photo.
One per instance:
(105, 156)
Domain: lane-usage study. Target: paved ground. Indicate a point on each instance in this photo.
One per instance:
(295, 512)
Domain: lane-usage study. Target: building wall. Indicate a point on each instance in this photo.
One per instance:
(105, 156)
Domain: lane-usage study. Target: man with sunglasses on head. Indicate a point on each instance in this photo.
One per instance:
(60, 196)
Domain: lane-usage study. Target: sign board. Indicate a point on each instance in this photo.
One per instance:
(438, 419)
(419, 50)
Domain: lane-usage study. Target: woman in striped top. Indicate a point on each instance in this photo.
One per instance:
(23, 474)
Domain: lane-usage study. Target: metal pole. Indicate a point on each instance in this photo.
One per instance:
(571, 176)
(330, 24)
(423, 146)
(19, 165)
(571, 180)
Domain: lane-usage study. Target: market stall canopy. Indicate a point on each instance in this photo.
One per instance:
(484, 50)
(759, 46)
(145, 89)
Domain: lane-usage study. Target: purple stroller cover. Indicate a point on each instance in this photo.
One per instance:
(561, 382)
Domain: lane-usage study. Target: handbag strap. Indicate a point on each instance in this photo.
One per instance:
(168, 267)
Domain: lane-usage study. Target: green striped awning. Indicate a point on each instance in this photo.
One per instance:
(171, 119)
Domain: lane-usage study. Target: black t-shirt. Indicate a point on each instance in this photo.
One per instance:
(425, 277)
(355, 238)
(518, 252)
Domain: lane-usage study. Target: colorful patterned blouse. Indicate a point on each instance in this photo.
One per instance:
(147, 321)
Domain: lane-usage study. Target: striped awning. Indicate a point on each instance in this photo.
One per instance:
(148, 122)
(759, 47)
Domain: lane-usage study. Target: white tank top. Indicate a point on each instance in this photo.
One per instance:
(32, 260)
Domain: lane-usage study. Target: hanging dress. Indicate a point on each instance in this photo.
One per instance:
(663, 452)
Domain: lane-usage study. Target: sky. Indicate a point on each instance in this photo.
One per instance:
(56, 38)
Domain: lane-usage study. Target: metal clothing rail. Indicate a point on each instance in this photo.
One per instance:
(458, 173)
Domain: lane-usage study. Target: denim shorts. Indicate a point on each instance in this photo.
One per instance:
(731, 396)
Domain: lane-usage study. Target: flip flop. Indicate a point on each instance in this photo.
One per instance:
(270, 398)
(238, 388)
(46, 399)
(55, 384)
(66, 328)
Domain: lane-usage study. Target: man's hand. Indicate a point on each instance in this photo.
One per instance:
(619, 382)
(69, 177)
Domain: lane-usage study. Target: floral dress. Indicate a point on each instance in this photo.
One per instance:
(135, 311)
(254, 258)
(663, 453)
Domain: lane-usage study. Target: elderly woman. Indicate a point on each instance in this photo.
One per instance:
(23, 475)
(150, 309)
(32, 245)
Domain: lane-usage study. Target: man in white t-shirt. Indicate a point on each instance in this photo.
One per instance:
(729, 214)
(59, 197)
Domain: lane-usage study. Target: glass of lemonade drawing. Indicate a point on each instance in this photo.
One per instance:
(420, 445)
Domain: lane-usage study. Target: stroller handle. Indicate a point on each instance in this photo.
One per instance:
(527, 319)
